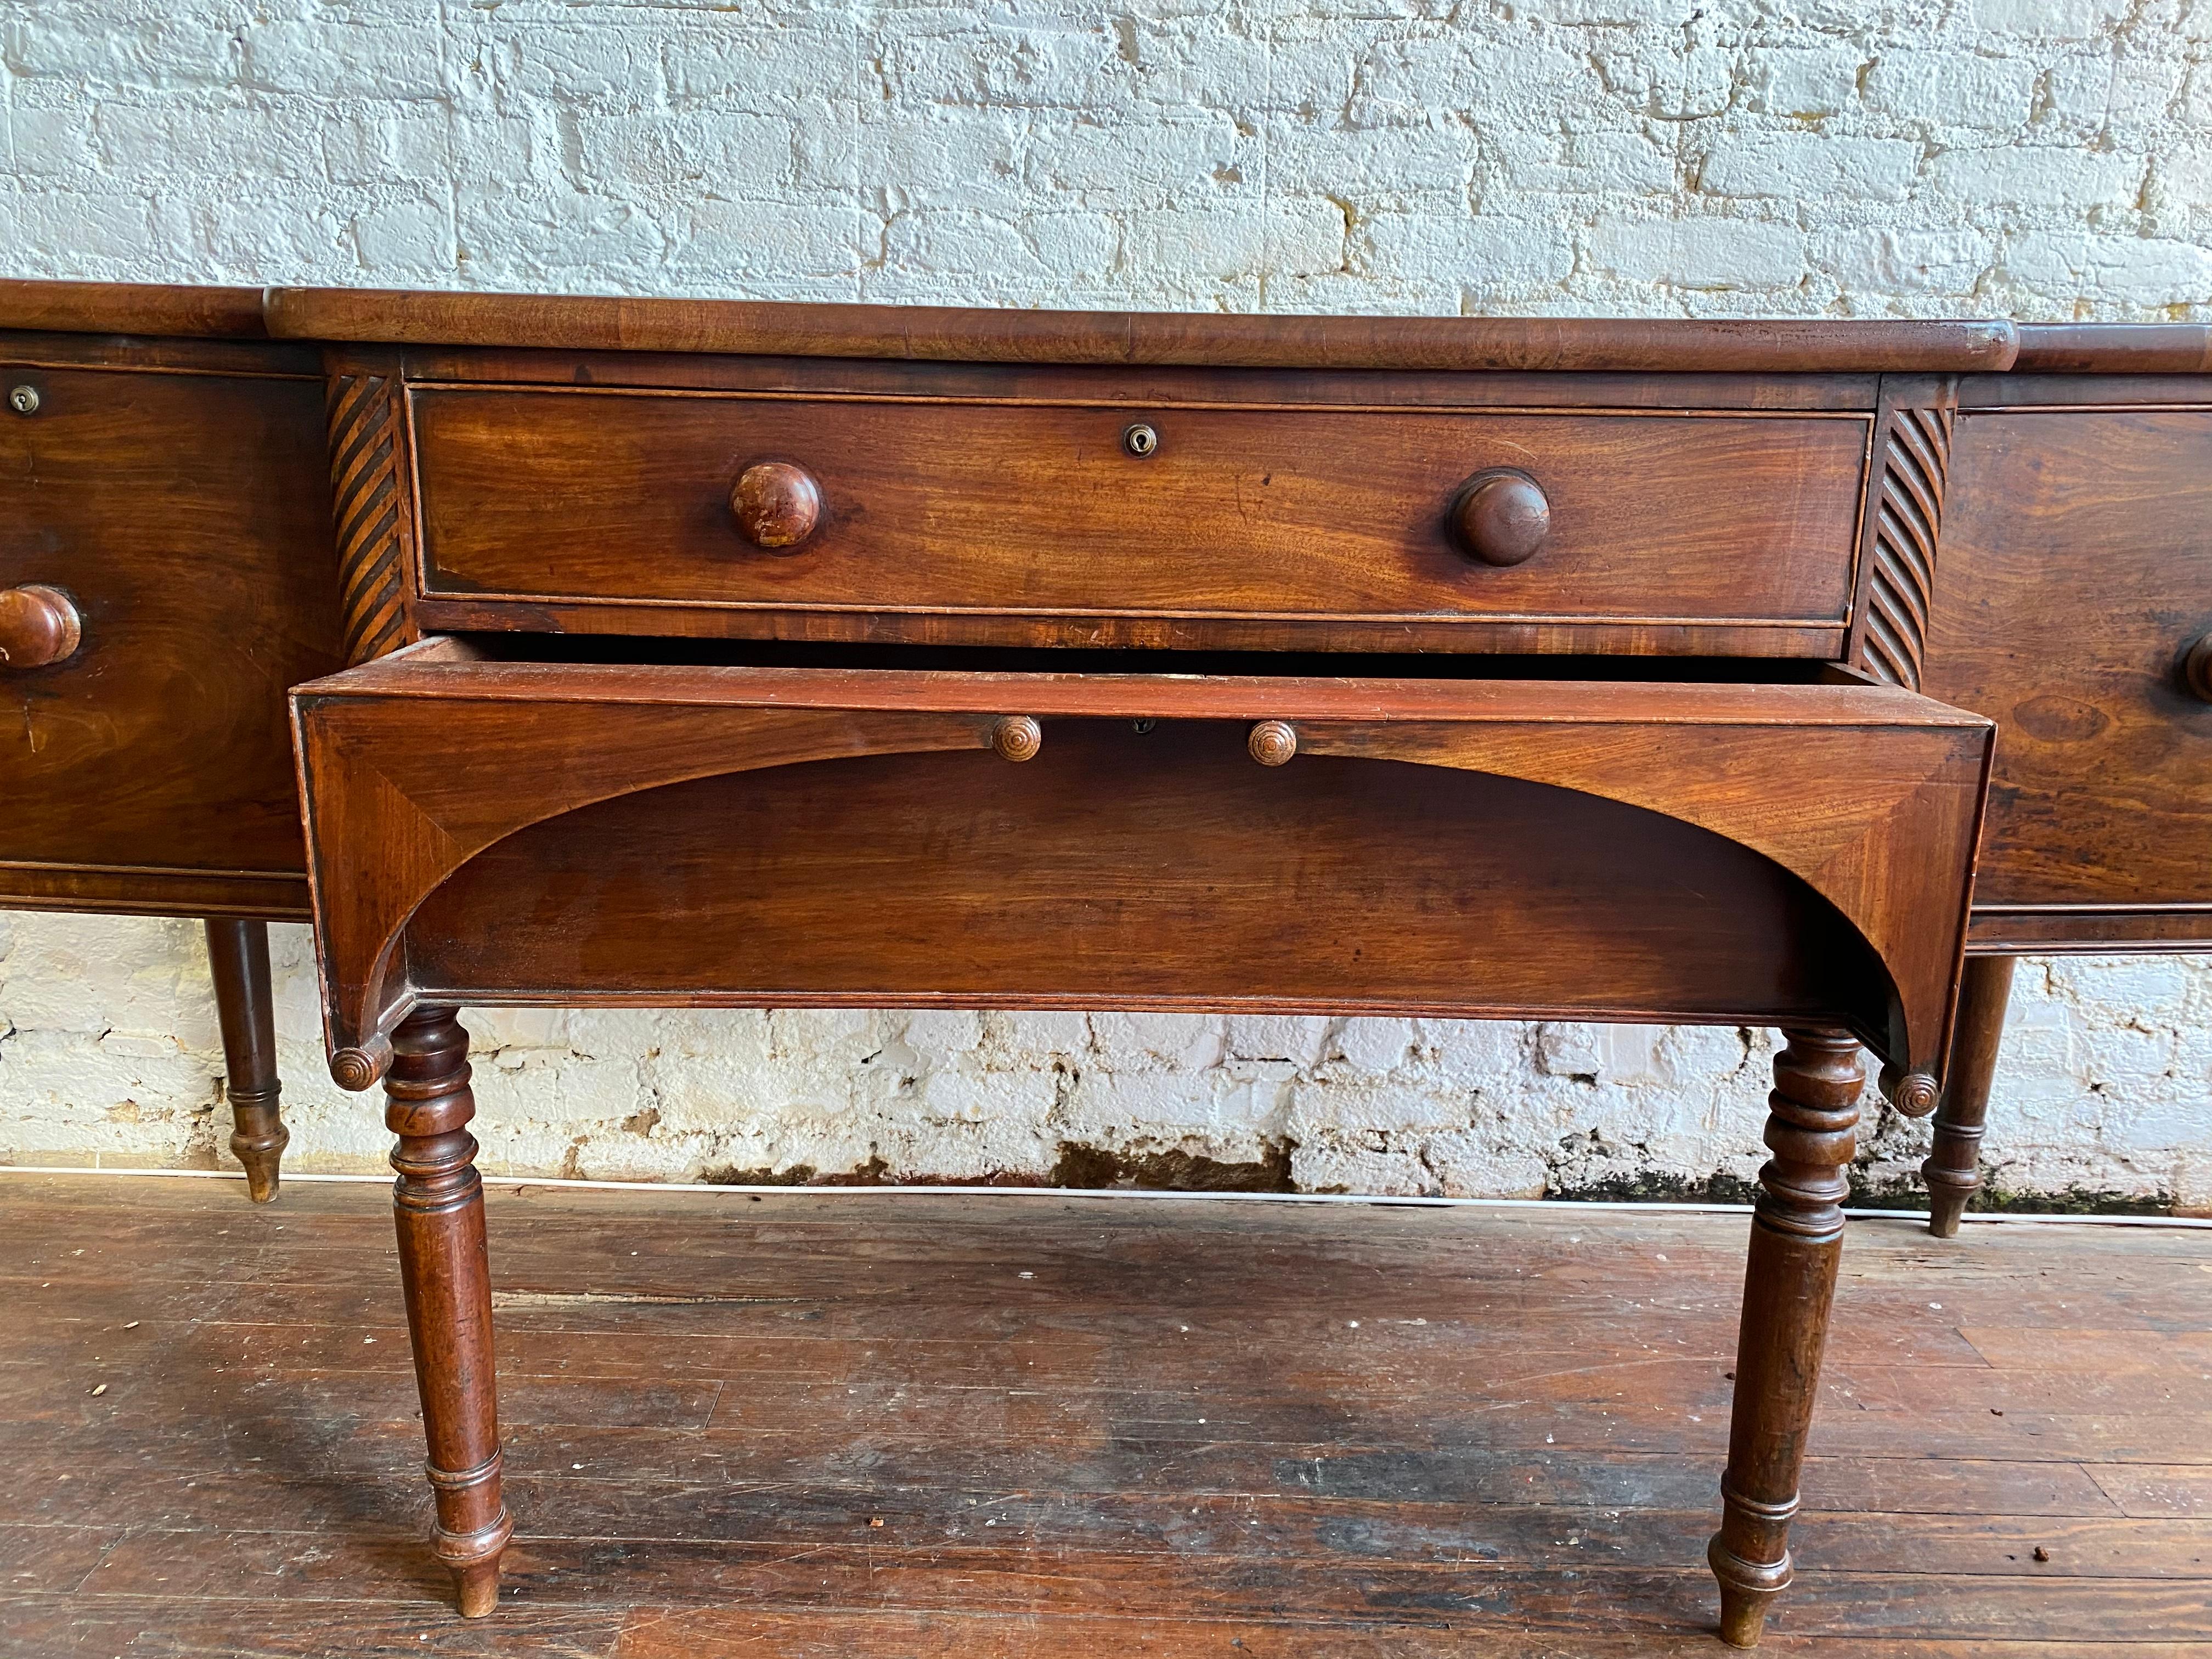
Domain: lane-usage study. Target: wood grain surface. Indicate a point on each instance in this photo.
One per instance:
(1231, 883)
(847, 1428)
(1031, 511)
(2076, 572)
(609, 323)
(187, 516)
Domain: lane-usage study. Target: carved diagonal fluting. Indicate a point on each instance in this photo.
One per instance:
(1908, 520)
(368, 501)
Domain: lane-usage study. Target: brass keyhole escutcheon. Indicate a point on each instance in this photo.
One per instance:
(23, 399)
(1139, 439)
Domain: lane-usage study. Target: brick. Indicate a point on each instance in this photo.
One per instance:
(1807, 83)
(2024, 175)
(1495, 256)
(747, 154)
(1698, 253)
(1811, 166)
(1903, 262)
(336, 59)
(1953, 89)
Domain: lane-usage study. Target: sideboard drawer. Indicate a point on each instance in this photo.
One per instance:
(2073, 607)
(531, 830)
(181, 522)
(1071, 514)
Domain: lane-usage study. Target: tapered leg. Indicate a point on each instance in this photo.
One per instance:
(1797, 1240)
(1953, 1169)
(238, 953)
(438, 1204)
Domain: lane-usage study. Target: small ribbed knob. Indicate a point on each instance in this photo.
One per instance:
(1273, 742)
(1017, 737)
(1501, 517)
(38, 625)
(1913, 1093)
(777, 505)
(2196, 668)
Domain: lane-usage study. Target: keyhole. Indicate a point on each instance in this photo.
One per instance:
(1140, 439)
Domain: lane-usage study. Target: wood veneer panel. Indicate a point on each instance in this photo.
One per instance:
(1037, 511)
(188, 518)
(2075, 570)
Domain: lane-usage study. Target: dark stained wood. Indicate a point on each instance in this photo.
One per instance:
(1502, 517)
(777, 505)
(1953, 1171)
(39, 626)
(186, 517)
(953, 334)
(1796, 1243)
(2071, 588)
(1032, 523)
(1902, 524)
(238, 951)
(372, 487)
(439, 1206)
(1396, 1487)
(158, 308)
(2115, 349)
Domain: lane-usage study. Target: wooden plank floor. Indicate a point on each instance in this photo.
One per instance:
(959, 1428)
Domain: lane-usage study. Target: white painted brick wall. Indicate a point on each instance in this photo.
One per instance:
(2032, 158)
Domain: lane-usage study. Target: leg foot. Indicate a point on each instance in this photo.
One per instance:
(238, 953)
(1789, 1279)
(1953, 1171)
(438, 1205)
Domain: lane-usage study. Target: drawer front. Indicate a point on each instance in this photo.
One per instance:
(2074, 577)
(185, 519)
(1045, 511)
(564, 833)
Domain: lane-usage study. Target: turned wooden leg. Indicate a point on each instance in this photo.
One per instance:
(439, 1205)
(1953, 1169)
(1797, 1240)
(238, 953)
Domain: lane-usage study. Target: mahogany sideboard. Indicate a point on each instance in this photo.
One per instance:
(725, 653)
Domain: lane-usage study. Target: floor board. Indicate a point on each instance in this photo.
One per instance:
(953, 1427)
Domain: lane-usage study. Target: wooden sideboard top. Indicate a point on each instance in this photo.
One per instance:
(955, 334)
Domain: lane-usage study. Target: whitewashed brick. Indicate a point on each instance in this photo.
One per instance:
(1812, 166)
(2024, 175)
(1940, 88)
(1496, 257)
(1707, 253)
(1806, 83)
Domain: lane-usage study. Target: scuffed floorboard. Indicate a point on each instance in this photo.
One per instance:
(958, 1427)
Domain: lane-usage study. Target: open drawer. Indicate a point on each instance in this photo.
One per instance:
(676, 833)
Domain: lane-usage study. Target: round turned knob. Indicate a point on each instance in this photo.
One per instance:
(777, 505)
(1273, 742)
(1501, 517)
(1913, 1093)
(38, 625)
(1017, 737)
(2196, 668)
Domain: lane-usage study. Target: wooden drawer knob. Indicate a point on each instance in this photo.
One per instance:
(1017, 737)
(2196, 668)
(777, 505)
(38, 625)
(1501, 517)
(1273, 742)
